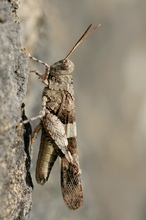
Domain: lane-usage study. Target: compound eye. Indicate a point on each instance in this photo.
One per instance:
(66, 67)
(65, 64)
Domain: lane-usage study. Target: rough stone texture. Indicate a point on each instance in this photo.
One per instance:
(15, 192)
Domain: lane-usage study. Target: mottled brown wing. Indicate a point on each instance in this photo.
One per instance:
(46, 158)
(71, 182)
(70, 172)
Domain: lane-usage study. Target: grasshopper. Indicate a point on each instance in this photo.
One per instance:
(59, 127)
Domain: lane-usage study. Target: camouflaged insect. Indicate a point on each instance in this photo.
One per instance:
(59, 128)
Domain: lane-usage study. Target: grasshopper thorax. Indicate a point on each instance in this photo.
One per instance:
(62, 67)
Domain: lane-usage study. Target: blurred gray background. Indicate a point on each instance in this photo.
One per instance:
(110, 88)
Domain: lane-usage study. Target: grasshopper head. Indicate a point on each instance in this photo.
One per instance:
(66, 66)
(62, 67)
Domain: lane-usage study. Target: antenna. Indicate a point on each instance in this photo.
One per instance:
(86, 34)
